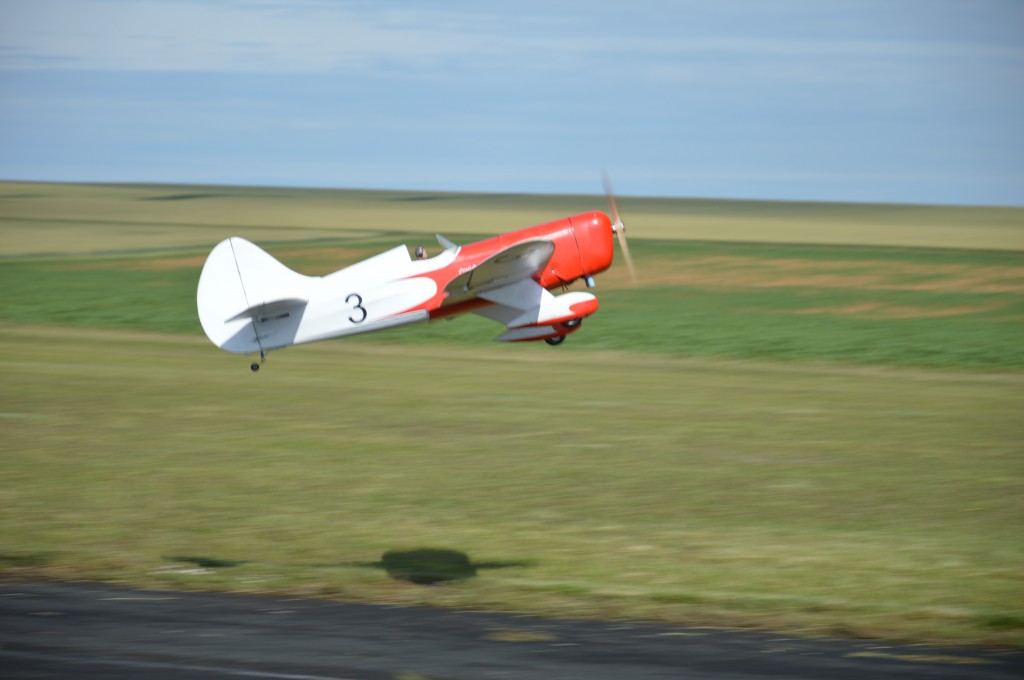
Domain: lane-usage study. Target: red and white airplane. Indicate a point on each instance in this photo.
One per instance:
(251, 303)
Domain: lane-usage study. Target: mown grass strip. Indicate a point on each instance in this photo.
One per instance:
(85, 218)
(826, 500)
(861, 305)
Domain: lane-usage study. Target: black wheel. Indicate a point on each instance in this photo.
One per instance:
(255, 367)
(557, 340)
(572, 323)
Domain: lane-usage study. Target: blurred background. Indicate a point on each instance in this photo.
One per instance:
(917, 101)
(806, 416)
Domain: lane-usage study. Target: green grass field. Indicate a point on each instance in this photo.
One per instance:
(819, 437)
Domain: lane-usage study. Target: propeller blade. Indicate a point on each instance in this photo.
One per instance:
(624, 247)
(610, 195)
(619, 228)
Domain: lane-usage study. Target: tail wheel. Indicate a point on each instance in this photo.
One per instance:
(557, 340)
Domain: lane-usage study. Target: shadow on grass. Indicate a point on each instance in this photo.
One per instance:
(433, 566)
(422, 566)
(24, 559)
(207, 562)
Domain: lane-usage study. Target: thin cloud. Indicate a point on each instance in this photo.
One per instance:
(199, 36)
(309, 37)
(911, 97)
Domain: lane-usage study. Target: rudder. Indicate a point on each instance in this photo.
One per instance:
(238, 282)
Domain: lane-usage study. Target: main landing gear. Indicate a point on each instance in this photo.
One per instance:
(567, 325)
(255, 367)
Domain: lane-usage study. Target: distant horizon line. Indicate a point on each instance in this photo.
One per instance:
(479, 192)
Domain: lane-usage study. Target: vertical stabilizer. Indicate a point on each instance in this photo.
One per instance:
(246, 297)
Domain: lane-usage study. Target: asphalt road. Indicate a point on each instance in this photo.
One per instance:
(89, 631)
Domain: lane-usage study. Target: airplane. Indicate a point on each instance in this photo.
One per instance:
(251, 303)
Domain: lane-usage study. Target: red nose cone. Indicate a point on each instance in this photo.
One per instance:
(594, 235)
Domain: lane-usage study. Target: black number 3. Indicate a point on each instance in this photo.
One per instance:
(359, 305)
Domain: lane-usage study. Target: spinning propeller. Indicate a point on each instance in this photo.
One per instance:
(619, 228)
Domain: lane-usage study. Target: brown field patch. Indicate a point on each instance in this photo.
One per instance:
(709, 272)
(884, 310)
(754, 272)
(148, 264)
(321, 261)
(311, 261)
(170, 263)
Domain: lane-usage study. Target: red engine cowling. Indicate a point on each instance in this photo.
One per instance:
(583, 246)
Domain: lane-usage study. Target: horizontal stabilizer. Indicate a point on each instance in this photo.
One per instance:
(267, 311)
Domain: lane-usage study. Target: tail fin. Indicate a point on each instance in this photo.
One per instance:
(245, 296)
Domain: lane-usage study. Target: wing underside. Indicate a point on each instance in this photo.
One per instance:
(519, 262)
(529, 312)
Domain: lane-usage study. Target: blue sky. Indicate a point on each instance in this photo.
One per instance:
(917, 101)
